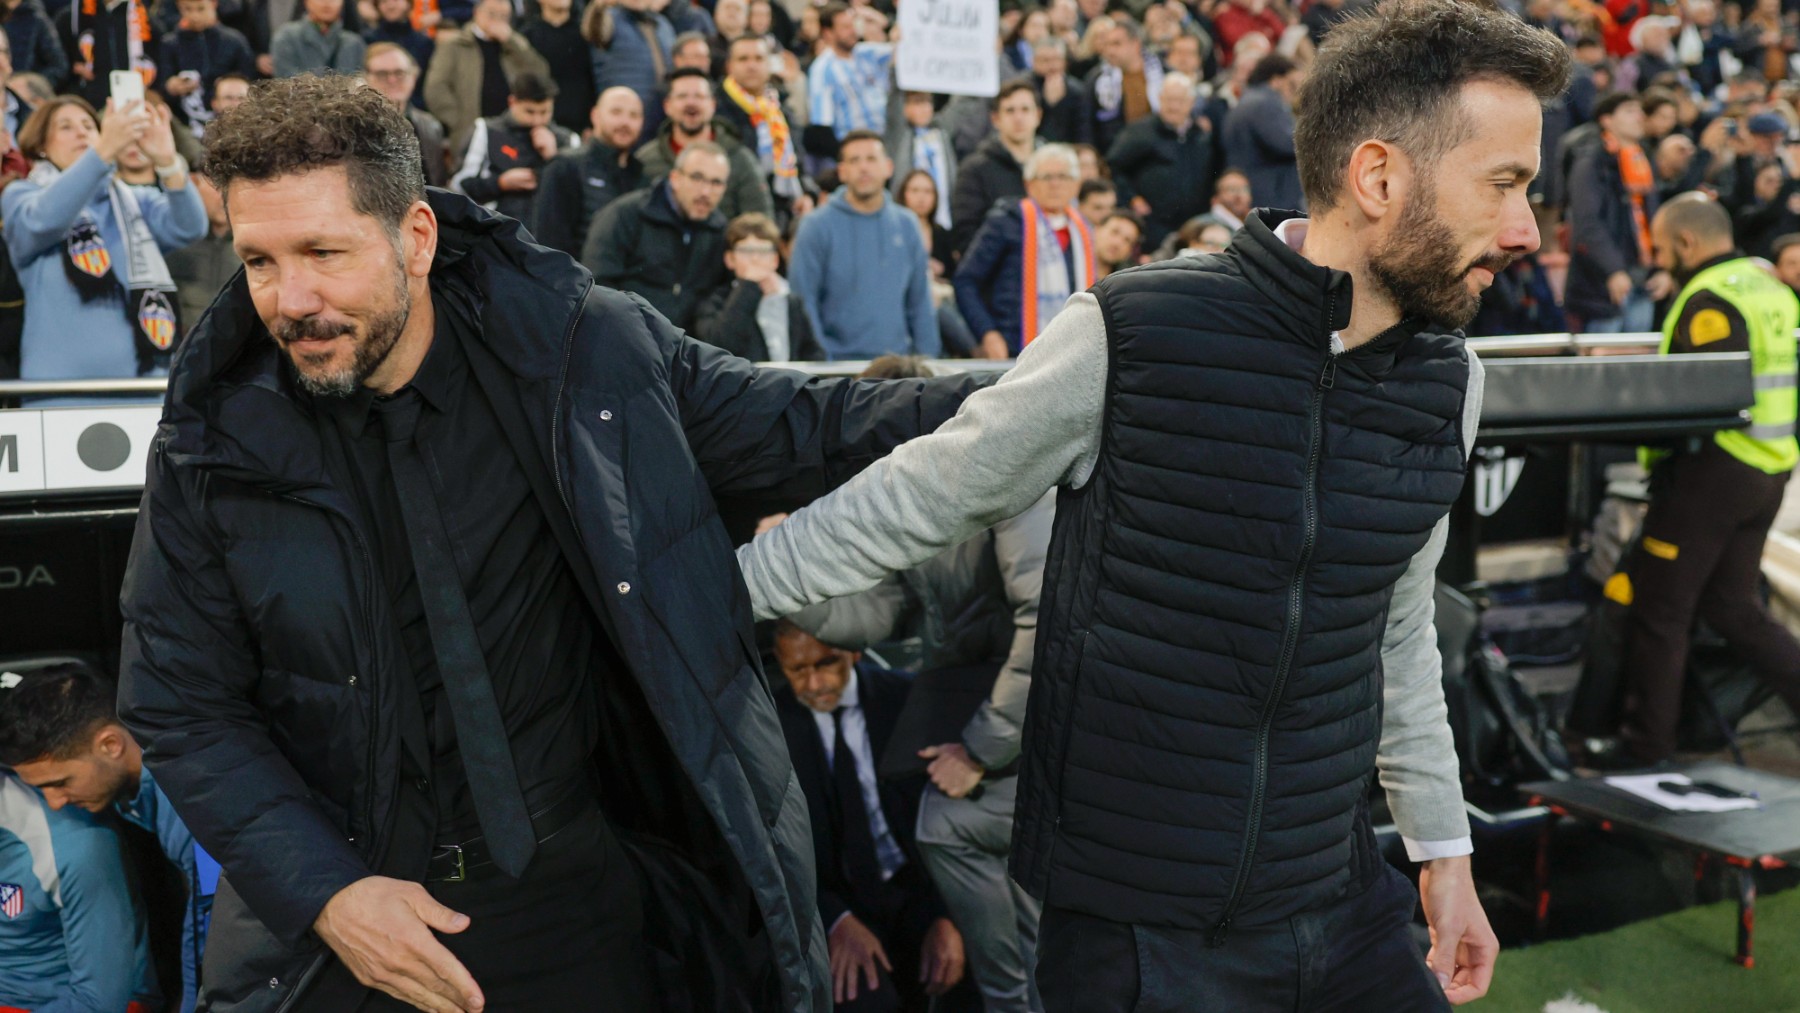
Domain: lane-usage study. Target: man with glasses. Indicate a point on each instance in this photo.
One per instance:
(666, 243)
(691, 114)
(393, 72)
(1028, 257)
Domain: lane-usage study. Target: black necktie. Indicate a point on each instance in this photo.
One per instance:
(480, 734)
(856, 841)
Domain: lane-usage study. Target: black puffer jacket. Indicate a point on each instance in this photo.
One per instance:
(641, 244)
(258, 664)
(1206, 699)
(1174, 174)
(988, 176)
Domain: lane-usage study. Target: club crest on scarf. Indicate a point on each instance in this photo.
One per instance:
(156, 318)
(87, 251)
(12, 900)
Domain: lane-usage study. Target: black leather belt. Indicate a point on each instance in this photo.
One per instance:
(455, 863)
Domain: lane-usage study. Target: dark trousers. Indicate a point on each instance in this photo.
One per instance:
(1711, 513)
(567, 936)
(1353, 957)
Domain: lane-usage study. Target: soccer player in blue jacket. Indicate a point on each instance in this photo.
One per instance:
(71, 938)
(59, 731)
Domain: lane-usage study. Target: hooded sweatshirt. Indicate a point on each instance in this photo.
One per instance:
(865, 281)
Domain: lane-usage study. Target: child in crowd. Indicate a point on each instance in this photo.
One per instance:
(756, 316)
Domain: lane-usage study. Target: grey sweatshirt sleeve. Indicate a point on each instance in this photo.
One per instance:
(1417, 757)
(859, 620)
(1037, 428)
(994, 734)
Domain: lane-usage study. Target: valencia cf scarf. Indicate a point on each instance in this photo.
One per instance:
(1640, 181)
(88, 16)
(1045, 277)
(774, 143)
(143, 280)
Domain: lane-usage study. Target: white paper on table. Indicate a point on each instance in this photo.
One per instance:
(1649, 787)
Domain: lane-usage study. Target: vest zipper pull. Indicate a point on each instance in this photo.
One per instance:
(1216, 938)
(1329, 376)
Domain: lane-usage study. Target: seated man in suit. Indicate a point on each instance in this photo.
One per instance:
(874, 896)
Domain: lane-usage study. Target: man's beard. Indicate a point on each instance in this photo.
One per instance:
(370, 351)
(1410, 266)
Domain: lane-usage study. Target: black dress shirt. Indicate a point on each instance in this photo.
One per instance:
(544, 648)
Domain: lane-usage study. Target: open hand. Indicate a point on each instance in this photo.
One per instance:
(120, 128)
(382, 930)
(158, 140)
(855, 952)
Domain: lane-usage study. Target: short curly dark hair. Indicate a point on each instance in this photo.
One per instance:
(308, 122)
(1395, 73)
(53, 712)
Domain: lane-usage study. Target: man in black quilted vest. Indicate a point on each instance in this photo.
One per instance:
(1256, 453)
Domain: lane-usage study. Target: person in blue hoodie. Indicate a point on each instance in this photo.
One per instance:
(60, 733)
(859, 263)
(99, 301)
(71, 938)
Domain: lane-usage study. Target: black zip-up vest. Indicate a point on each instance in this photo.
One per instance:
(1206, 697)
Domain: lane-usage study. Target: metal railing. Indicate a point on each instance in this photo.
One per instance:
(1512, 345)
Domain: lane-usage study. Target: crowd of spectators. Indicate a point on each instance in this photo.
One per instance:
(903, 219)
(753, 171)
(905, 222)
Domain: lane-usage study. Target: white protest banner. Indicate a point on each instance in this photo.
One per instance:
(949, 46)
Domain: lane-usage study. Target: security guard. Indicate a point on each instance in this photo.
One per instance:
(1711, 508)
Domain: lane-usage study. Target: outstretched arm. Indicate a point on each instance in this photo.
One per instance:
(1418, 763)
(1037, 428)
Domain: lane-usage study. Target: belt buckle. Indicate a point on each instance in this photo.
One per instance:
(462, 869)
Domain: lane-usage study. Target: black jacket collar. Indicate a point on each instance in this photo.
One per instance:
(1316, 299)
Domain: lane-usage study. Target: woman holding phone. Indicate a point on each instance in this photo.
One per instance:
(99, 301)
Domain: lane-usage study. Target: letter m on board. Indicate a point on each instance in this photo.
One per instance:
(9, 453)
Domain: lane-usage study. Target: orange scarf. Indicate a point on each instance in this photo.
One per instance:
(419, 10)
(1634, 170)
(771, 127)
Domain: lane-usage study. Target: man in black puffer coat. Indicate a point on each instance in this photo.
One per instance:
(299, 683)
(1257, 452)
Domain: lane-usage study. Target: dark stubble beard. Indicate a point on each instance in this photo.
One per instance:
(1415, 270)
(371, 349)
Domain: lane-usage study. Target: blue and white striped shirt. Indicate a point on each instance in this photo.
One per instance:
(850, 93)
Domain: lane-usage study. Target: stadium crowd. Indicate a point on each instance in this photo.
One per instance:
(751, 169)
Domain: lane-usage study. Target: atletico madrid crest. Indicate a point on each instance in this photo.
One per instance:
(12, 900)
(87, 250)
(156, 315)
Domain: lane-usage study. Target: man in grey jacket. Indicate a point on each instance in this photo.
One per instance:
(1256, 453)
(970, 605)
(317, 43)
